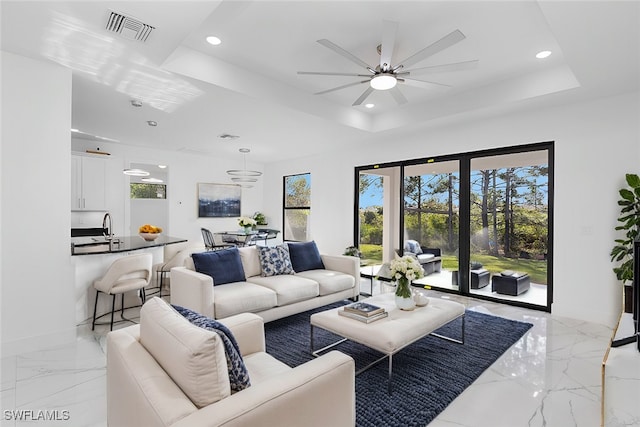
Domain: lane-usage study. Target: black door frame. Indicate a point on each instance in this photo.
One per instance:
(464, 243)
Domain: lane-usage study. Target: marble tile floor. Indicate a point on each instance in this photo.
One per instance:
(550, 377)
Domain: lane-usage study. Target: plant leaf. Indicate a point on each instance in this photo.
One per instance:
(633, 180)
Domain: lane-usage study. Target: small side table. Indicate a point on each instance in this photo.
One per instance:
(479, 278)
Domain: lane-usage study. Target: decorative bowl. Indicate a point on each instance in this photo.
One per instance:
(149, 237)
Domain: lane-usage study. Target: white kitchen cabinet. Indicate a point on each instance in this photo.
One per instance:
(88, 180)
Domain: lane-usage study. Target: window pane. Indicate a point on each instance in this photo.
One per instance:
(148, 191)
(297, 191)
(432, 220)
(296, 224)
(510, 224)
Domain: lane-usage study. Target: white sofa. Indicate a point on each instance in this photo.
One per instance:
(168, 372)
(270, 297)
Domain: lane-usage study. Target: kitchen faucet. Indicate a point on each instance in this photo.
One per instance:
(107, 232)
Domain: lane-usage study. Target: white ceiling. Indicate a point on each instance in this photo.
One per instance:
(249, 86)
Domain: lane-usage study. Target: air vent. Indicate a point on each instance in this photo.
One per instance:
(128, 27)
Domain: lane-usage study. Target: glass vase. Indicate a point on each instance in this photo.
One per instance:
(404, 296)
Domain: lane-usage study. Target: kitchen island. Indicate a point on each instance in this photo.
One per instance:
(100, 245)
(92, 256)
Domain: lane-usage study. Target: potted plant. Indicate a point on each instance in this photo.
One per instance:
(629, 220)
(352, 251)
(260, 218)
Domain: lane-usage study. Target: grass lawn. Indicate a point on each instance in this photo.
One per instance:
(371, 254)
(536, 269)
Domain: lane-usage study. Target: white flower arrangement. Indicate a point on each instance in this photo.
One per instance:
(406, 267)
(245, 221)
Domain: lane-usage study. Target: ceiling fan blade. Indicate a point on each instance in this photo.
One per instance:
(364, 96)
(456, 66)
(445, 42)
(321, 73)
(340, 51)
(423, 84)
(341, 87)
(389, 29)
(398, 96)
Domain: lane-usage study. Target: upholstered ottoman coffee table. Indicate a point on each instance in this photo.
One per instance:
(392, 333)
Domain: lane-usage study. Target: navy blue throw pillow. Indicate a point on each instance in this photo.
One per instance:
(305, 256)
(238, 374)
(223, 266)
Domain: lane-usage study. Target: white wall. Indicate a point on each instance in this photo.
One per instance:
(596, 144)
(36, 278)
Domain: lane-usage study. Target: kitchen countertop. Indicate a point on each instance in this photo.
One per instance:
(99, 245)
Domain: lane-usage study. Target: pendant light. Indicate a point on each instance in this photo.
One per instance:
(242, 176)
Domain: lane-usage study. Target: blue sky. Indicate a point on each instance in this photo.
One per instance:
(372, 197)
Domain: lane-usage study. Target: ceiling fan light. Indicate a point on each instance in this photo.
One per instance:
(383, 82)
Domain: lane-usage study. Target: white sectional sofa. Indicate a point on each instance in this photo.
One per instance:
(271, 297)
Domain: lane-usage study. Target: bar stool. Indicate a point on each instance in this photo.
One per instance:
(125, 274)
(174, 256)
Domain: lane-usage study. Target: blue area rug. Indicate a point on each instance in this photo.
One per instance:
(427, 375)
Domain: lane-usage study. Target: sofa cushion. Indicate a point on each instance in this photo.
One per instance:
(250, 260)
(238, 375)
(193, 357)
(223, 266)
(422, 258)
(330, 281)
(275, 260)
(262, 366)
(289, 288)
(242, 297)
(305, 256)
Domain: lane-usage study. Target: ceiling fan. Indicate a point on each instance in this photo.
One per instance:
(385, 75)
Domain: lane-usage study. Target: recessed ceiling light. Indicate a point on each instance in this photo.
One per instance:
(152, 123)
(543, 54)
(154, 180)
(213, 40)
(74, 130)
(162, 166)
(369, 105)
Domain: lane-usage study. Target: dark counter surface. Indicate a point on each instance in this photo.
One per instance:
(99, 245)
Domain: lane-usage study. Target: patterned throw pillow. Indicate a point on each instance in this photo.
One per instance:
(238, 374)
(413, 247)
(275, 260)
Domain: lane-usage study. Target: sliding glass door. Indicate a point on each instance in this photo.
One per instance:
(509, 224)
(479, 223)
(431, 214)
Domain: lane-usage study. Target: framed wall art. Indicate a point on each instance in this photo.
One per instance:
(218, 200)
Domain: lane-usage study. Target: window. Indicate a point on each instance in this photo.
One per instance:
(148, 191)
(297, 207)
